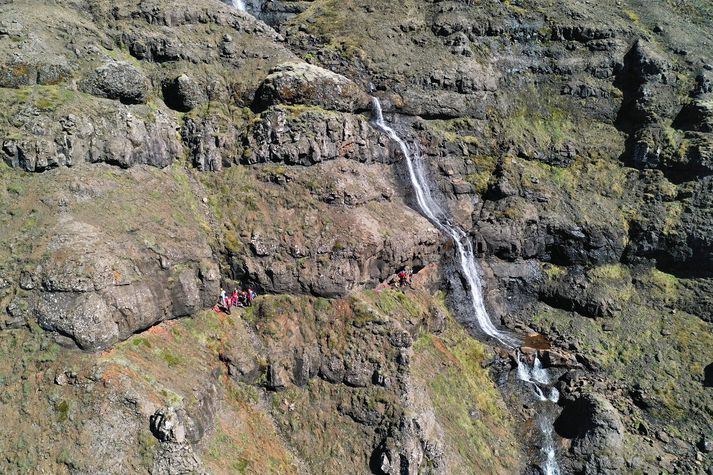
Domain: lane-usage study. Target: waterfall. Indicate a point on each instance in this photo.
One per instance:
(548, 448)
(554, 396)
(537, 375)
(530, 375)
(239, 5)
(437, 215)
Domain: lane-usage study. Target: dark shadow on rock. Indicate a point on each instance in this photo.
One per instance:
(375, 460)
(574, 420)
(628, 81)
(708, 376)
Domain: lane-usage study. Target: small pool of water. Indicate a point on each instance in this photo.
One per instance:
(537, 341)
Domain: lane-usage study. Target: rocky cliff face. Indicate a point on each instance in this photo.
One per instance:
(153, 153)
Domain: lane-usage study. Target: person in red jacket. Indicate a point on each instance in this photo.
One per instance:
(403, 278)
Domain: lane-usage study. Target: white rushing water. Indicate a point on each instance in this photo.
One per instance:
(536, 376)
(433, 211)
(554, 396)
(533, 376)
(548, 448)
(239, 5)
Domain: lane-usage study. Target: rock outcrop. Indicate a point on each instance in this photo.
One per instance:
(118, 135)
(597, 434)
(305, 84)
(119, 81)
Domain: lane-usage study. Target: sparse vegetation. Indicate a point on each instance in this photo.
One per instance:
(467, 406)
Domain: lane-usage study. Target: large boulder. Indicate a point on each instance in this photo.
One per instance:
(183, 94)
(305, 84)
(597, 434)
(21, 73)
(119, 81)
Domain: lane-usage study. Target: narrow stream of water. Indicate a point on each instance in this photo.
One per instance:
(432, 210)
(535, 376)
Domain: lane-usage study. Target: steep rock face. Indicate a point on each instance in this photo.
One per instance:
(341, 227)
(162, 402)
(98, 300)
(309, 136)
(573, 144)
(292, 135)
(85, 278)
(118, 135)
(275, 13)
(663, 133)
(366, 361)
(62, 126)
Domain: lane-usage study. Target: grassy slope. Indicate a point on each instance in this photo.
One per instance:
(173, 363)
(479, 431)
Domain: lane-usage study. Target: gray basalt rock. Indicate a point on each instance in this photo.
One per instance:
(98, 295)
(597, 434)
(183, 94)
(21, 74)
(125, 140)
(576, 292)
(175, 454)
(311, 137)
(283, 135)
(117, 134)
(177, 459)
(86, 318)
(167, 426)
(305, 84)
(117, 80)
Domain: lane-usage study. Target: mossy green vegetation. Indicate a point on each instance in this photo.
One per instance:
(632, 16)
(24, 357)
(460, 130)
(244, 440)
(478, 428)
(576, 191)
(483, 177)
(514, 8)
(247, 442)
(174, 363)
(659, 350)
(551, 127)
(233, 198)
